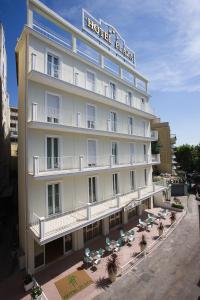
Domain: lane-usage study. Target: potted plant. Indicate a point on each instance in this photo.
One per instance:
(112, 267)
(36, 293)
(28, 282)
(160, 228)
(143, 243)
(173, 217)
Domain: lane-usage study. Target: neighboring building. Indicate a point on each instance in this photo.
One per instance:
(84, 137)
(166, 142)
(4, 120)
(13, 139)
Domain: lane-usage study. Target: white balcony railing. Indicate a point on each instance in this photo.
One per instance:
(45, 227)
(84, 163)
(155, 158)
(56, 72)
(56, 116)
(154, 135)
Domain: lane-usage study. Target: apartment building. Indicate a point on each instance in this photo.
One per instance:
(84, 142)
(167, 140)
(4, 119)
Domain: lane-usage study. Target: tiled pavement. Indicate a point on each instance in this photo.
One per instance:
(70, 263)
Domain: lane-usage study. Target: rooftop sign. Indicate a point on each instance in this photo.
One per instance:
(107, 35)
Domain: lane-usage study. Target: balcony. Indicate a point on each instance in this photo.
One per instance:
(155, 159)
(101, 94)
(154, 135)
(173, 139)
(54, 119)
(46, 229)
(44, 167)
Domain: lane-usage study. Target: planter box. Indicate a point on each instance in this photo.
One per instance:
(29, 286)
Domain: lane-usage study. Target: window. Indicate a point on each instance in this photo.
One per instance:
(54, 199)
(91, 153)
(33, 61)
(115, 219)
(113, 121)
(92, 231)
(53, 105)
(90, 81)
(52, 153)
(132, 153)
(68, 242)
(92, 183)
(145, 177)
(132, 212)
(114, 153)
(142, 104)
(129, 98)
(144, 128)
(130, 125)
(115, 184)
(91, 116)
(145, 152)
(52, 65)
(112, 90)
(132, 180)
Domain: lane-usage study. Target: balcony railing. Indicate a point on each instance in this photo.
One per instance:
(45, 227)
(154, 135)
(84, 163)
(155, 158)
(56, 116)
(56, 72)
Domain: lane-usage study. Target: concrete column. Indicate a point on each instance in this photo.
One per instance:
(105, 226)
(125, 217)
(77, 240)
(140, 210)
(151, 202)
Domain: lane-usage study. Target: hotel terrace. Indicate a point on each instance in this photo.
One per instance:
(85, 162)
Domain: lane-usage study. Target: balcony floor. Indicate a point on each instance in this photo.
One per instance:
(66, 223)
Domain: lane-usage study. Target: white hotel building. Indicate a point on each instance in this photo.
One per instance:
(85, 163)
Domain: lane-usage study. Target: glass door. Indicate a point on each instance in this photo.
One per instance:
(113, 120)
(52, 65)
(91, 153)
(92, 185)
(52, 108)
(91, 116)
(114, 153)
(132, 153)
(52, 153)
(54, 199)
(90, 83)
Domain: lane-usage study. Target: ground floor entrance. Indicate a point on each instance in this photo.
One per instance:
(53, 250)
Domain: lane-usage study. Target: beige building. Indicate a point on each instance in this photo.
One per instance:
(84, 137)
(166, 142)
(4, 120)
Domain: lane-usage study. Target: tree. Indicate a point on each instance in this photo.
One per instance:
(184, 157)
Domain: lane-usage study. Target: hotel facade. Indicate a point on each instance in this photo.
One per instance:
(84, 140)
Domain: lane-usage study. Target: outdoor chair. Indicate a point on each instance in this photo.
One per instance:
(88, 260)
(131, 238)
(107, 241)
(100, 252)
(142, 224)
(87, 252)
(122, 234)
(108, 248)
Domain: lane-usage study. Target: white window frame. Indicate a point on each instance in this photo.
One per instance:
(112, 82)
(60, 182)
(117, 142)
(118, 183)
(97, 189)
(59, 150)
(129, 104)
(132, 188)
(95, 108)
(54, 53)
(60, 106)
(86, 82)
(113, 111)
(131, 132)
(96, 141)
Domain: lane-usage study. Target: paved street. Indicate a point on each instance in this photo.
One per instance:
(171, 272)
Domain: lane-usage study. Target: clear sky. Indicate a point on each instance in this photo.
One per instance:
(165, 35)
